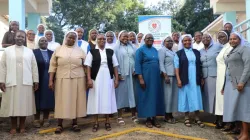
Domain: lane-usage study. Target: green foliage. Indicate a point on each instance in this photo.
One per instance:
(123, 15)
(195, 15)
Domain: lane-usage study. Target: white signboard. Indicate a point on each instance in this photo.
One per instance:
(159, 26)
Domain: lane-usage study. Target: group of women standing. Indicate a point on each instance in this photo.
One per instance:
(124, 71)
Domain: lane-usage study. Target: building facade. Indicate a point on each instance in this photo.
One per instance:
(235, 11)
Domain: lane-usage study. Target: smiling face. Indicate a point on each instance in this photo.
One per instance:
(222, 37)
(124, 38)
(31, 35)
(20, 38)
(43, 43)
(101, 40)
(149, 40)
(49, 35)
(206, 39)
(234, 40)
(80, 33)
(187, 41)
(110, 37)
(71, 39)
(168, 43)
(132, 37)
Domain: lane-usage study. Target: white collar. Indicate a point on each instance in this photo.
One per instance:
(44, 50)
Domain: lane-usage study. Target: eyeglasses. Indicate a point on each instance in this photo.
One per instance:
(101, 39)
(149, 38)
(169, 41)
(206, 38)
(220, 37)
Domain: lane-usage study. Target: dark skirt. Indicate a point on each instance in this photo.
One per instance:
(45, 98)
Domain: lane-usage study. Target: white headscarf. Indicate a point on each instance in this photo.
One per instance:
(65, 38)
(163, 40)
(136, 40)
(212, 41)
(53, 36)
(37, 43)
(181, 46)
(222, 31)
(118, 42)
(138, 35)
(242, 40)
(119, 35)
(114, 40)
(113, 44)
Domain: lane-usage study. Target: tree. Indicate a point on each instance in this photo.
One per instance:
(116, 14)
(195, 15)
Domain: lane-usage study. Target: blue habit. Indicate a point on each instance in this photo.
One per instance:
(189, 96)
(45, 98)
(150, 101)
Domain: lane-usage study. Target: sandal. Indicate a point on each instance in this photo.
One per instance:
(75, 128)
(95, 128)
(59, 129)
(134, 119)
(198, 122)
(156, 123)
(120, 121)
(107, 126)
(37, 123)
(187, 123)
(13, 131)
(149, 124)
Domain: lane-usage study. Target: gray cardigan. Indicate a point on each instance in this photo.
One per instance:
(238, 64)
(208, 60)
(166, 60)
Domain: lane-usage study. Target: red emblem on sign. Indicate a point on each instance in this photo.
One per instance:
(154, 25)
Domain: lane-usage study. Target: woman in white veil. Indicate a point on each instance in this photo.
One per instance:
(52, 45)
(67, 70)
(133, 39)
(110, 40)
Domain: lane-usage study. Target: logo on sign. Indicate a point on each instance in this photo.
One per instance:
(154, 26)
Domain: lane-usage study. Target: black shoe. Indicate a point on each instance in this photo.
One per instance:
(220, 125)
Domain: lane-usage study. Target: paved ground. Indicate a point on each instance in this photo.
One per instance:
(130, 131)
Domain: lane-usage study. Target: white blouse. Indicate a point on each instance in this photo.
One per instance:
(104, 61)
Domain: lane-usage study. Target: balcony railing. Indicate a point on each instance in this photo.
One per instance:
(244, 28)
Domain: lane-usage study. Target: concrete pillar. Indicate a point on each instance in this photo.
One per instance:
(33, 21)
(17, 12)
(248, 17)
(230, 17)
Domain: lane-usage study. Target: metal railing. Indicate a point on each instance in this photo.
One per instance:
(243, 26)
(244, 29)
